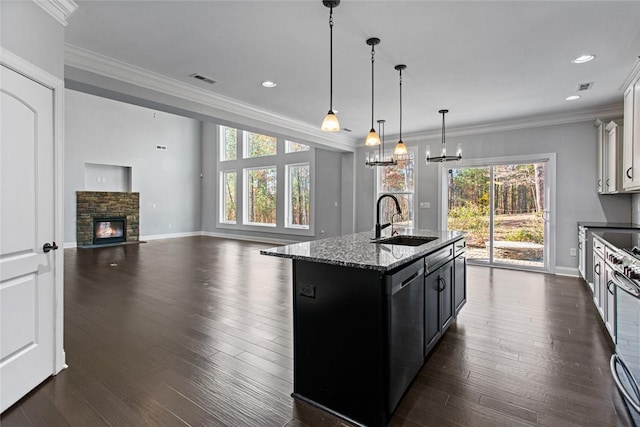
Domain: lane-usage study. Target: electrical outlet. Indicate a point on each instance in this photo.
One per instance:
(572, 251)
(425, 205)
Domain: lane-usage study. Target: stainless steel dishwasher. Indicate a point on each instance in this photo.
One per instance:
(406, 335)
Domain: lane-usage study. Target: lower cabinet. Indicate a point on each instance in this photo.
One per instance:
(460, 281)
(439, 308)
(599, 284)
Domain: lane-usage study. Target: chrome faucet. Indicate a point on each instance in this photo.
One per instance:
(380, 227)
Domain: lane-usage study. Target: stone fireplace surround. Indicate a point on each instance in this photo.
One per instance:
(106, 204)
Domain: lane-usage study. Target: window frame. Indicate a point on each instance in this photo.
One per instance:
(245, 198)
(280, 160)
(412, 193)
(222, 147)
(222, 198)
(245, 145)
(288, 199)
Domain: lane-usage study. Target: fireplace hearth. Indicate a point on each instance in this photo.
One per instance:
(109, 230)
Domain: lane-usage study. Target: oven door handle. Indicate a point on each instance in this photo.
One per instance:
(626, 284)
(615, 359)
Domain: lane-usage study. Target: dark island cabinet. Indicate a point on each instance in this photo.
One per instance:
(361, 335)
(439, 291)
(460, 273)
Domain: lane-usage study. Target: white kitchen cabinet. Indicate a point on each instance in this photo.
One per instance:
(582, 253)
(600, 157)
(631, 136)
(599, 283)
(613, 133)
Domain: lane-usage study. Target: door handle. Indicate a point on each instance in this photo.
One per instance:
(49, 247)
(629, 174)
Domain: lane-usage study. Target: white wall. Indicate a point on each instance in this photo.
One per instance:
(103, 131)
(577, 199)
(31, 33)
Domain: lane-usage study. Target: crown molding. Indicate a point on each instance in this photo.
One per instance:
(61, 10)
(112, 68)
(533, 122)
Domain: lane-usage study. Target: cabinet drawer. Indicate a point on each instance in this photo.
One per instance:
(436, 259)
(459, 247)
(598, 247)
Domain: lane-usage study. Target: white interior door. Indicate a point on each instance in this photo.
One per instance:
(27, 272)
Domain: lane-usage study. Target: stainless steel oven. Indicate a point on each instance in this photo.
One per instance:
(625, 363)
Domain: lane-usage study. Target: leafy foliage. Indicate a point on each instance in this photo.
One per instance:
(229, 182)
(229, 143)
(300, 192)
(261, 200)
(257, 145)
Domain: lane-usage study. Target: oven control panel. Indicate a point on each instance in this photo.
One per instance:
(625, 263)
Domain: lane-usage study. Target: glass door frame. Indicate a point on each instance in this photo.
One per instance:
(549, 213)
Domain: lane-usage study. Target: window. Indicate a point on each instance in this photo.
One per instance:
(298, 186)
(294, 147)
(264, 183)
(257, 145)
(397, 180)
(260, 196)
(228, 180)
(228, 146)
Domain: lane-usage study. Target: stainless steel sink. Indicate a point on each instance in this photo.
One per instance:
(407, 240)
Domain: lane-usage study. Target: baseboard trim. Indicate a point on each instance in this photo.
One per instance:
(171, 235)
(567, 271)
(258, 239)
(70, 245)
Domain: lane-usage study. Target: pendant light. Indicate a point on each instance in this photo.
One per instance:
(372, 137)
(330, 122)
(400, 149)
(378, 159)
(443, 157)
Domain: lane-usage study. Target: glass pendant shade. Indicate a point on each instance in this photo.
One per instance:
(330, 122)
(372, 138)
(400, 149)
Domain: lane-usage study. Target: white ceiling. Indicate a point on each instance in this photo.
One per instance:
(487, 62)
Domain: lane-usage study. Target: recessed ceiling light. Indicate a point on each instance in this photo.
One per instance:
(572, 97)
(269, 83)
(583, 58)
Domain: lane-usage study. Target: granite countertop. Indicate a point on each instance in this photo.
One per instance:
(358, 250)
(591, 224)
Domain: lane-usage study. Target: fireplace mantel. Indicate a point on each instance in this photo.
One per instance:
(101, 204)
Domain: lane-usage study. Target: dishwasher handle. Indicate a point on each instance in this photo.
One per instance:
(615, 359)
(399, 286)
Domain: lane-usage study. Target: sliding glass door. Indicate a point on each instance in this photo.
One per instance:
(502, 208)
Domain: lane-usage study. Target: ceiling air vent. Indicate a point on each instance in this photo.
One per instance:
(203, 78)
(585, 86)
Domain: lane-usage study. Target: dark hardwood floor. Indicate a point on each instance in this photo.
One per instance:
(197, 331)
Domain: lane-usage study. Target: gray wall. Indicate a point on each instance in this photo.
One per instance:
(103, 131)
(31, 33)
(576, 197)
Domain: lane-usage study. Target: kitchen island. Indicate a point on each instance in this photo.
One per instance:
(367, 313)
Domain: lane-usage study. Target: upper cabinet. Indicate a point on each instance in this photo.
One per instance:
(609, 155)
(631, 134)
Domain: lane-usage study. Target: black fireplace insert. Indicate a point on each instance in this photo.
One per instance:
(109, 230)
